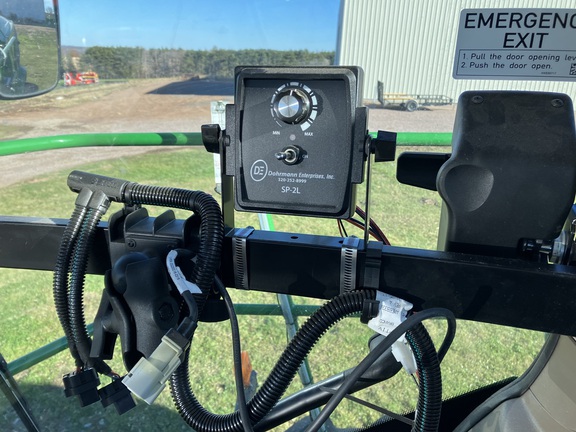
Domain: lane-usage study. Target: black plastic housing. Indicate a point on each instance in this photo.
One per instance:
(512, 172)
(138, 303)
(117, 394)
(83, 384)
(330, 141)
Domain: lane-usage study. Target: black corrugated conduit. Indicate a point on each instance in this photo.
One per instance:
(73, 257)
(426, 357)
(211, 225)
(286, 368)
(429, 380)
(78, 266)
(70, 271)
(93, 200)
(202, 204)
(60, 281)
(282, 374)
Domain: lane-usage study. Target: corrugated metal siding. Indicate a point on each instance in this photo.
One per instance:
(409, 45)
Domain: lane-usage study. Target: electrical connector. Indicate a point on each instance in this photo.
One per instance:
(83, 384)
(117, 393)
(148, 378)
(403, 354)
(391, 312)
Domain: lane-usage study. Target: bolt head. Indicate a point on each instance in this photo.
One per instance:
(165, 312)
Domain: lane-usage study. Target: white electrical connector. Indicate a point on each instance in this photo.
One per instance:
(403, 354)
(391, 313)
(148, 377)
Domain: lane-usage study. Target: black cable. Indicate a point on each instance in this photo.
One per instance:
(189, 324)
(392, 337)
(202, 204)
(448, 338)
(429, 406)
(60, 281)
(373, 226)
(191, 304)
(315, 395)
(70, 271)
(237, 356)
(211, 226)
(197, 417)
(341, 228)
(78, 265)
(97, 207)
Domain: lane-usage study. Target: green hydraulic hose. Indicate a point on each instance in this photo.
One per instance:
(99, 140)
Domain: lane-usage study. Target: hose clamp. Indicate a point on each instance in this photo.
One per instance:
(348, 264)
(240, 257)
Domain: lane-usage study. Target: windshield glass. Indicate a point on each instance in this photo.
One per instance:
(138, 80)
(158, 69)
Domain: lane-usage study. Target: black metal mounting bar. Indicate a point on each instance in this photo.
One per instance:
(502, 291)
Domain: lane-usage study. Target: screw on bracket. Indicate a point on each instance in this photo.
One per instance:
(477, 99)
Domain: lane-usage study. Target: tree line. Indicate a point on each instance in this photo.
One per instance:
(124, 62)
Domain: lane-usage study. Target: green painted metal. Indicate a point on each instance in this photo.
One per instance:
(99, 140)
(43, 353)
(273, 309)
(422, 138)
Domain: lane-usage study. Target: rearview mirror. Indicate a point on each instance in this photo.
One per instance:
(29, 48)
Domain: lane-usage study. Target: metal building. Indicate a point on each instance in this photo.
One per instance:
(409, 45)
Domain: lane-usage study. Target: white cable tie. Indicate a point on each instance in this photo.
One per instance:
(178, 277)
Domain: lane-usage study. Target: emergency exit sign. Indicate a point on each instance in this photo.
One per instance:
(516, 44)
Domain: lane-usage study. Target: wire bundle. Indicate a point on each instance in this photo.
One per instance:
(68, 287)
(69, 275)
(94, 196)
(361, 223)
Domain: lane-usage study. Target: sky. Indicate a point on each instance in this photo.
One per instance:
(201, 24)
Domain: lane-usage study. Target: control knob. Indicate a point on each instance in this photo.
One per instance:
(291, 105)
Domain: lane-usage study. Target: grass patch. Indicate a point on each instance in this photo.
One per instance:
(481, 354)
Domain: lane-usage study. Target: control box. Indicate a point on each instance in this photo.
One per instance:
(295, 141)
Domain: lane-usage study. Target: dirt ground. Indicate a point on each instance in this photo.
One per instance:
(159, 105)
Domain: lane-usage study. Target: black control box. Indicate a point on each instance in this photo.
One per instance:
(296, 140)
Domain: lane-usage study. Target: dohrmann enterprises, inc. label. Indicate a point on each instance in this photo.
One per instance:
(519, 44)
